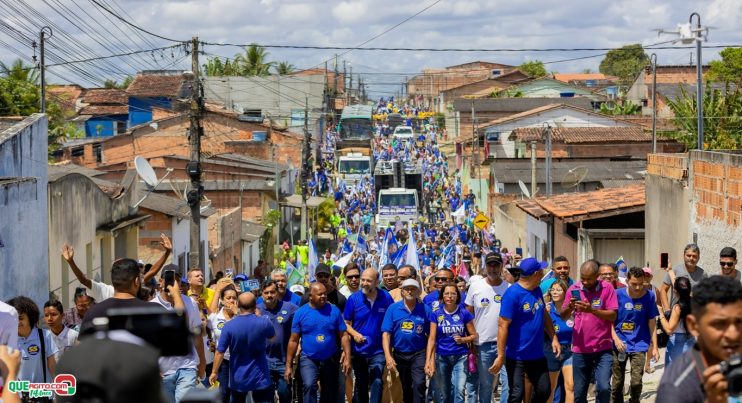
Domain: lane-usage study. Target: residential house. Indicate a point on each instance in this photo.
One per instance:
(251, 233)
(597, 82)
(608, 142)
(97, 218)
(484, 88)
(24, 225)
(605, 225)
(425, 88)
(225, 240)
(156, 88)
(546, 87)
(694, 197)
(670, 79)
(105, 112)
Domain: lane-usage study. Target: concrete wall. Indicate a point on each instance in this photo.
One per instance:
(536, 248)
(23, 214)
(510, 225)
(77, 210)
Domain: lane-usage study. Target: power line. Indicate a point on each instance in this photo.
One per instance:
(131, 24)
(488, 50)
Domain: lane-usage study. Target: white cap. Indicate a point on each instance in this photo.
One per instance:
(140, 261)
(410, 282)
(297, 288)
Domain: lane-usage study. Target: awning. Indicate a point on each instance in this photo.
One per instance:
(295, 201)
(105, 229)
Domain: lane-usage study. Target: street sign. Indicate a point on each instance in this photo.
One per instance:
(481, 221)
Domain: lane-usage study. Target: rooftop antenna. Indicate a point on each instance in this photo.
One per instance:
(145, 171)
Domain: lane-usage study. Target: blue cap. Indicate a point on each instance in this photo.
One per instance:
(240, 277)
(530, 265)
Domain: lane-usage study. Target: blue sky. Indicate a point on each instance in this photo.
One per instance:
(447, 24)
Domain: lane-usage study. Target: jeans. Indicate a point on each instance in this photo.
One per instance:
(677, 345)
(326, 371)
(450, 376)
(472, 385)
(177, 384)
(258, 396)
(368, 371)
(411, 368)
(619, 372)
(223, 377)
(583, 367)
(277, 369)
(537, 374)
(487, 356)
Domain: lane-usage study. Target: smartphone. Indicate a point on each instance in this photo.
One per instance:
(519, 251)
(166, 331)
(169, 278)
(576, 294)
(664, 260)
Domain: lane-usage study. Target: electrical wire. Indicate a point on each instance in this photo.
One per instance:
(131, 24)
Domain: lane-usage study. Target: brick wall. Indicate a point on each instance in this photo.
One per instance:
(671, 166)
(717, 189)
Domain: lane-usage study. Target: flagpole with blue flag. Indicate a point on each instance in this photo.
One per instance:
(412, 259)
(313, 260)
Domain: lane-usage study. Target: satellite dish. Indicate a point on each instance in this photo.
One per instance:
(574, 177)
(145, 171)
(524, 189)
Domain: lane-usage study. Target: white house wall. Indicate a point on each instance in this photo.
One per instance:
(535, 228)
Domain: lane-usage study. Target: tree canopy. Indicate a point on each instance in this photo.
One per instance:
(534, 68)
(625, 63)
(722, 122)
(728, 69)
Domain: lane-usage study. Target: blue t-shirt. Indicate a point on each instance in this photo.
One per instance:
(367, 320)
(281, 317)
(409, 330)
(632, 322)
(287, 297)
(450, 325)
(562, 328)
(246, 337)
(526, 310)
(318, 329)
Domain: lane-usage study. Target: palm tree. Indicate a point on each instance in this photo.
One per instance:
(20, 72)
(284, 68)
(254, 61)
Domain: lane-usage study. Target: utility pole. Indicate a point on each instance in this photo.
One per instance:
(473, 139)
(42, 66)
(194, 165)
(350, 86)
(548, 160)
(699, 79)
(305, 172)
(345, 87)
(653, 58)
(533, 169)
(336, 76)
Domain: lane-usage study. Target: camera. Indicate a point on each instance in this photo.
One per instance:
(732, 370)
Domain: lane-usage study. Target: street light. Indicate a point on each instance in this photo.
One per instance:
(653, 58)
(687, 35)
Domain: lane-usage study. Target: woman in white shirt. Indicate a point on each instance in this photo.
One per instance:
(37, 346)
(228, 300)
(64, 337)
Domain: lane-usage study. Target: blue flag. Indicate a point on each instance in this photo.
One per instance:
(361, 245)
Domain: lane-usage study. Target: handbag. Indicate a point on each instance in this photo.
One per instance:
(471, 360)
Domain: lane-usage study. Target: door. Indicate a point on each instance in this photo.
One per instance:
(608, 250)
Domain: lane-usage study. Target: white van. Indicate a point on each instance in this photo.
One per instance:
(404, 132)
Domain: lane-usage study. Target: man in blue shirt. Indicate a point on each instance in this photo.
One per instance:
(442, 277)
(320, 327)
(405, 330)
(283, 294)
(281, 314)
(520, 336)
(364, 313)
(634, 334)
(246, 337)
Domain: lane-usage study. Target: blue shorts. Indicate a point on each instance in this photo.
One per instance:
(555, 364)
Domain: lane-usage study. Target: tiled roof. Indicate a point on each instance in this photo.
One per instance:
(531, 207)
(104, 110)
(578, 135)
(158, 85)
(567, 77)
(105, 96)
(573, 207)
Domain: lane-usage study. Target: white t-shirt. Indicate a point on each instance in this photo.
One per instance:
(168, 365)
(8, 325)
(101, 291)
(31, 365)
(64, 340)
(486, 300)
(216, 324)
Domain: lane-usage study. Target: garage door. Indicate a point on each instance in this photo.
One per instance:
(608, 250)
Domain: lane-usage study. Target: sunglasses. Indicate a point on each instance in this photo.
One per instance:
(322, 275)
(352, 277)
(442, 278)
(727, 264)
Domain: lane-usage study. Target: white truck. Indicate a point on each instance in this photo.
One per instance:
(353, 166)
(397, 204)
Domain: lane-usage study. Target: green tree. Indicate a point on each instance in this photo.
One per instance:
(254, 62)
(622, 108)
(534, 68)
(270, 220)
(625, 63)
(114, 84)
(728, 69)
(20, 72)
(722, 122)
(284, 68)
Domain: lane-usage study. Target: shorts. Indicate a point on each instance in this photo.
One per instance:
(555, 364)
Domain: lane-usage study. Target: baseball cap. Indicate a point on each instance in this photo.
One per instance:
(410, 283)
(240, 277)
(322, 268)
(493, 257)
(647, 271)
(296, 288)
(530, 266)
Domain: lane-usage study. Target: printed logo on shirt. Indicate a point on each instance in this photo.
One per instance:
(419, 329)
(320, 338)
(570, 323)
(556, 328)
(279, 319)
(627, 326)
(382, 310)
(436, 304)
(284, 312)
(638, 307)
(596, 302)
(526, 307)
(440, 319)
(485, 302)
(498, 298)
(33, 349)
(407, 326)
(629, 306)
(220, 325)
(456, 318)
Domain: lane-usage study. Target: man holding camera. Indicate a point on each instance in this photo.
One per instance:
(712, 370)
